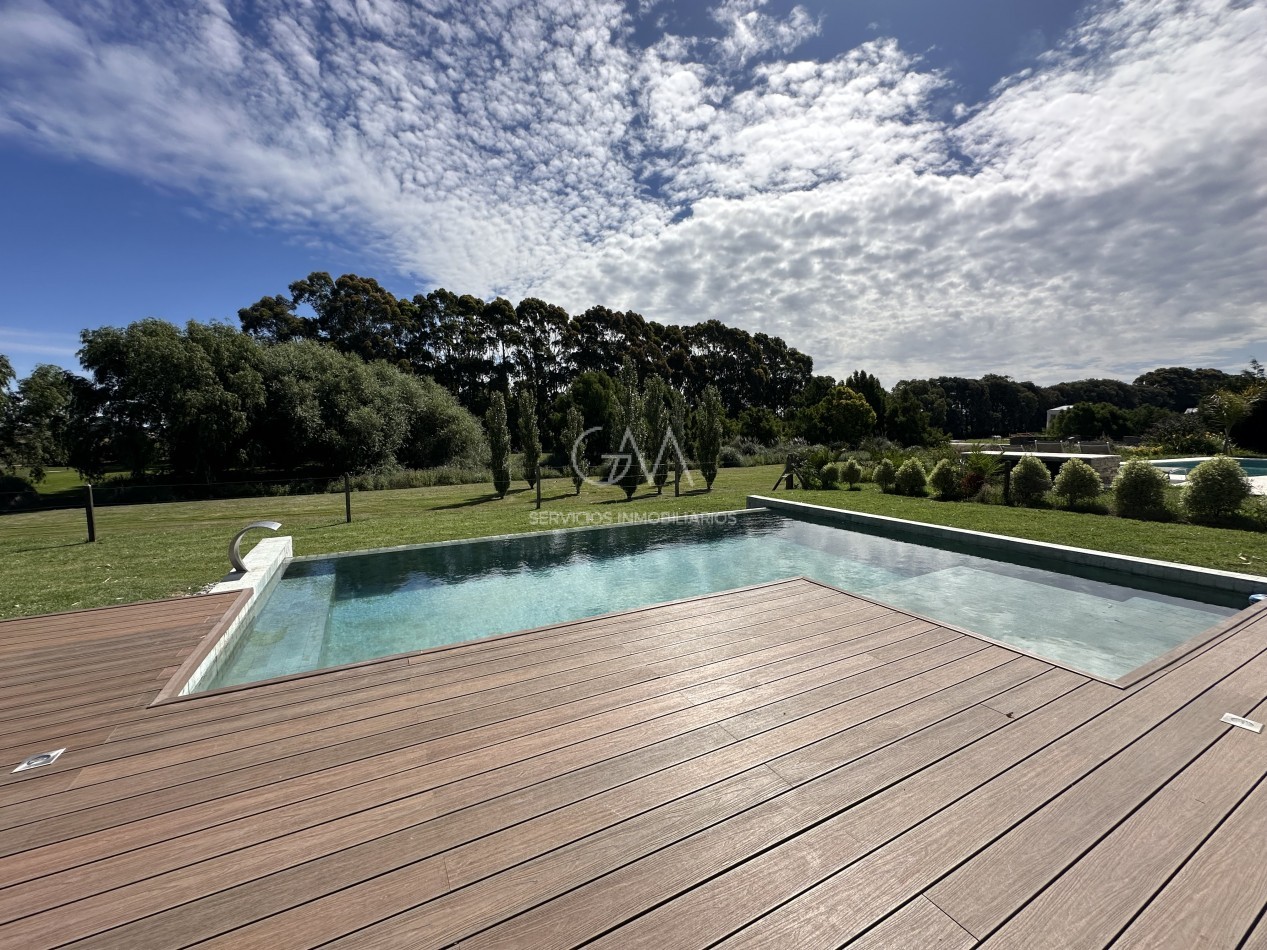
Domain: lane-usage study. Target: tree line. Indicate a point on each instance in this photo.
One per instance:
(341, 375)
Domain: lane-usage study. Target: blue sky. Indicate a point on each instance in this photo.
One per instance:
(1050, 189)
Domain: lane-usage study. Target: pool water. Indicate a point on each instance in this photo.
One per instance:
(344, 609)
(1254, 468)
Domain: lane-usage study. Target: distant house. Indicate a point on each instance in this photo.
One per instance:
(1052, 413)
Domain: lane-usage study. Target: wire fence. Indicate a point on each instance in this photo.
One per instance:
(87, 500)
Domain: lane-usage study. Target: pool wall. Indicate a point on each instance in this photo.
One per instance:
(1164, 571)
(264, 565)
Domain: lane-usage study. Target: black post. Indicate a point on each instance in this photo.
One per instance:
(1007, 483)
(88, 508)
(538, 487)
(347, 499)
(677, 480)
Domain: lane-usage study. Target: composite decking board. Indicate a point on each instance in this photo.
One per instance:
(321, 876)
(1103, 892)
(846, 618)
(366, 846)
(985, 891)
(918, 924)
(921, 832)
(592, 909)
(423, 690)
(150, 815)
(79, 799)
(1227, 878)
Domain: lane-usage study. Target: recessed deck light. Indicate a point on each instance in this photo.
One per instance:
(1234, 720)
(44, 758)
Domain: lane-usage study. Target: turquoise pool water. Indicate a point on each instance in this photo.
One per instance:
(1253, 467)
(330, 611)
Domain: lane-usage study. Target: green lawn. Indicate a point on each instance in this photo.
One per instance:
(151, 551)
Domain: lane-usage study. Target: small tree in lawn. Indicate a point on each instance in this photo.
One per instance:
(944, 479)
(709, 422)
(655, 411)
(574, 446)
(1030, 481)
(529, 436)
(631, 429)
(911, 477)
(1215, 489)
(498, 443)
(1077, 482)
(1139, 491)
(677, 426)
(885, 475)
(851, 473)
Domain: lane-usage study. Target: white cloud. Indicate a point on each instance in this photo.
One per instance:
(1102, 212)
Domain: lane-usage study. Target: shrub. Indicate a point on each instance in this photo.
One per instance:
(731, 457)
(944, 479)
(1077, 482)
(1216, 489)
(16, 492)
(829, 476)
(1030, 480)
(885, 475)
(911, 478)
(850, 473)
(1139, 491)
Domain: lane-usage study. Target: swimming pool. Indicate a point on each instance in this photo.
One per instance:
(329, 611)
(1254, 468)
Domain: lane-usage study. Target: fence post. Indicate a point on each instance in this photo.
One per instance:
(88, 509)
(677, 480)
(347, 500)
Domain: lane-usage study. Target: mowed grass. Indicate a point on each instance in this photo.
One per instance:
(145, 552)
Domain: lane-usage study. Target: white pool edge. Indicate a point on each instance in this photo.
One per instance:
(264, 564)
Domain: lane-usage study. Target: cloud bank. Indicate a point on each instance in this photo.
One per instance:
(1103, 213)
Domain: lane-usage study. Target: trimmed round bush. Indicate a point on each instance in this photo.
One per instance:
(731, 457)
(850, 473)
(944, 479)
(1139, 491)
(1077, 482)
(911, 478)
(885, 475)
(1030, 481)
(829, 476)
(1215, 489)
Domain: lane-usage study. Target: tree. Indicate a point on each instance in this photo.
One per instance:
(1139, 490)
(656, 418)
(40, 419)
(529, 436)
(944, 479)
(1030, 480)
(677, 427)
(630, 437)
(1227, 408)
(760, 425)
(1215, 489)
(7, 448)
(709, 423)
(498, 443)
(594, 394)
(870, 388)
(574, 446)
(843, 416)
(1077, 482)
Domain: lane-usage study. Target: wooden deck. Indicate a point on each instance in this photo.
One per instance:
(785, 766)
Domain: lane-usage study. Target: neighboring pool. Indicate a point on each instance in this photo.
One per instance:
(329, 611)
(1254, 468)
